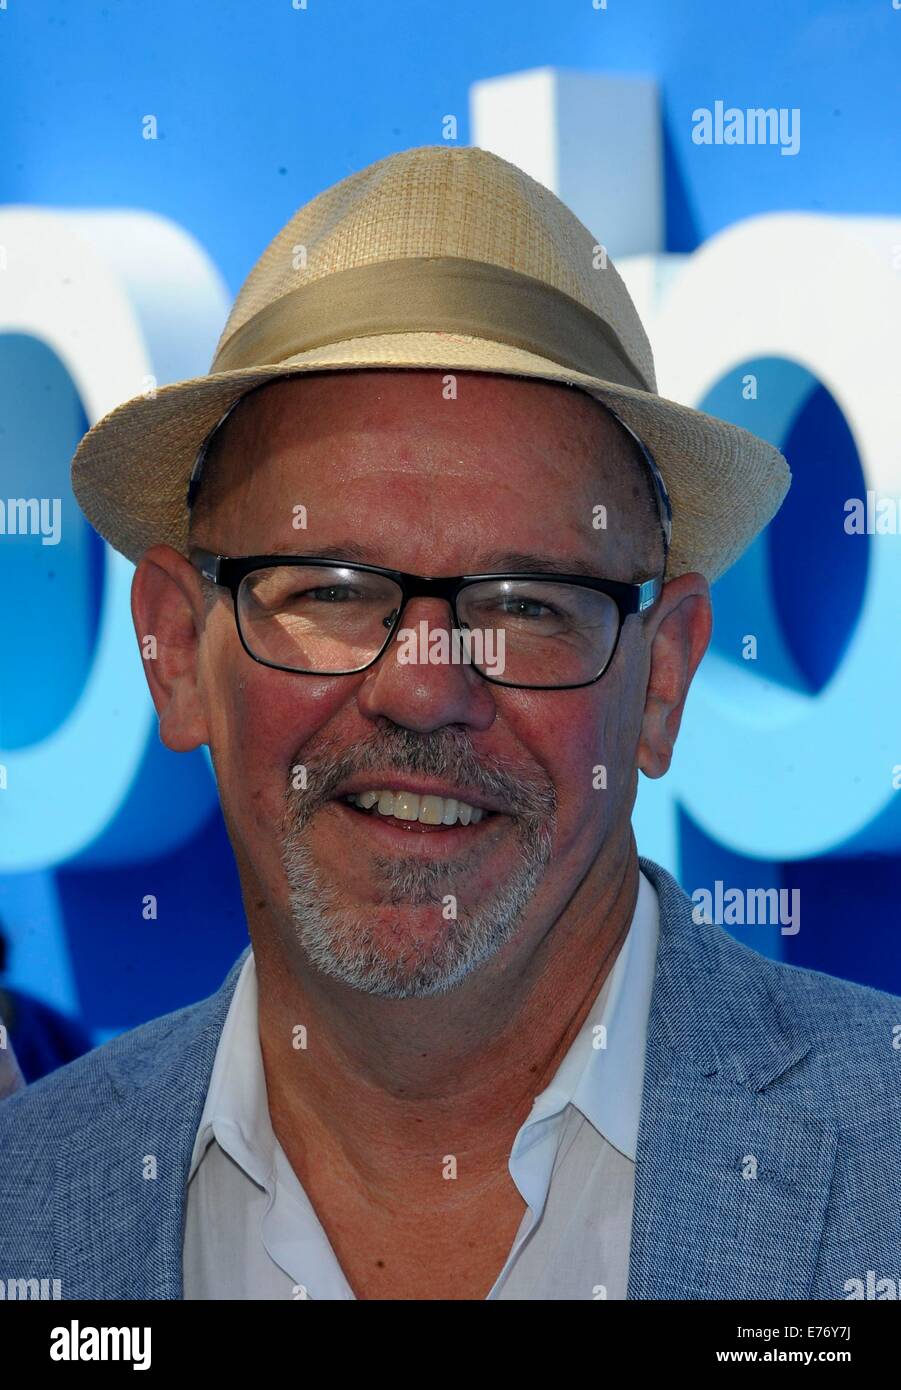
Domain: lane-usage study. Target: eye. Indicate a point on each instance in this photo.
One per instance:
(518, 608)
(331, 593)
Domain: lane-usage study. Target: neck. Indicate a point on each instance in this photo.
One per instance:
(381, 1081)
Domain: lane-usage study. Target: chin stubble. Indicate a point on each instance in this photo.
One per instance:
(340, 941)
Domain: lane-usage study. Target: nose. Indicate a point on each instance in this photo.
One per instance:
(425, 694)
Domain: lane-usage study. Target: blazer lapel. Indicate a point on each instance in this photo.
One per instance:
(733, 1165)
(122, 1178)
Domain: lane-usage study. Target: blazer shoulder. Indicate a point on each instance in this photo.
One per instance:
(832, 1008)
(749, 1006)
(830, 1012)
(853, 1032)
(59, 1104)
(822, 1004)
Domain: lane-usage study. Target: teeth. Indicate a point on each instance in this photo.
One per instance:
(406, 806)
(410, 806)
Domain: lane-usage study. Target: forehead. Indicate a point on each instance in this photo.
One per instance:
(394, 458)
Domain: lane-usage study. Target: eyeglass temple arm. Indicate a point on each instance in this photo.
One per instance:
(207, 563)
(648, 593)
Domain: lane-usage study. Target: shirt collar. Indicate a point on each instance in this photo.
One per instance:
(236, 1112)
(602, 1075)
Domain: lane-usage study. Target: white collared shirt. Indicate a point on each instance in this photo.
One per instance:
(251, 1231)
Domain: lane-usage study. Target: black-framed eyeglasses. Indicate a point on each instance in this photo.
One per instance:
(315, 615)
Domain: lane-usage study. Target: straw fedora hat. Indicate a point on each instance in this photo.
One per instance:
(436, 257)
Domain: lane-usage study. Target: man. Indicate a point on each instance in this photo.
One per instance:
(427, 562)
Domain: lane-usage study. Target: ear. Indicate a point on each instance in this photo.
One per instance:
(678, 640)
(168, 611)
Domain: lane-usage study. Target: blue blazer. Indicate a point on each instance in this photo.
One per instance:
(747, 1061)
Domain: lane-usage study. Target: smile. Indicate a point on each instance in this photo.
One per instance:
(412, 807)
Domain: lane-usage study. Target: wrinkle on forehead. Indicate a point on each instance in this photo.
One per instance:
(288, 415)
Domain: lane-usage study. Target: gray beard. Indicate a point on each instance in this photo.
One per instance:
(340, 941)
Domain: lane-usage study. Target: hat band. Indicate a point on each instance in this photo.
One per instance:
(429, 294)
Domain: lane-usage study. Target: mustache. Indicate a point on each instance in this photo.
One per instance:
(442, 753)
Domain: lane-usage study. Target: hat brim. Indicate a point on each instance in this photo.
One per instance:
(130, 472)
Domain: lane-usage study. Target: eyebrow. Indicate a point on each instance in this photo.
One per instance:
(353, 554)
(502, 561)
(547, 564)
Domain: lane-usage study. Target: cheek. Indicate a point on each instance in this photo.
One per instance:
(572, 735)
(583, 740)
(261, 723)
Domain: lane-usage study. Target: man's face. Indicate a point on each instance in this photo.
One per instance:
(384, 463)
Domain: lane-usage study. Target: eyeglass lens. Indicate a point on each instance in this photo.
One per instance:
(333, 621)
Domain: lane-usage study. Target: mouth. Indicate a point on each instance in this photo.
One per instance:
(406, 818)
